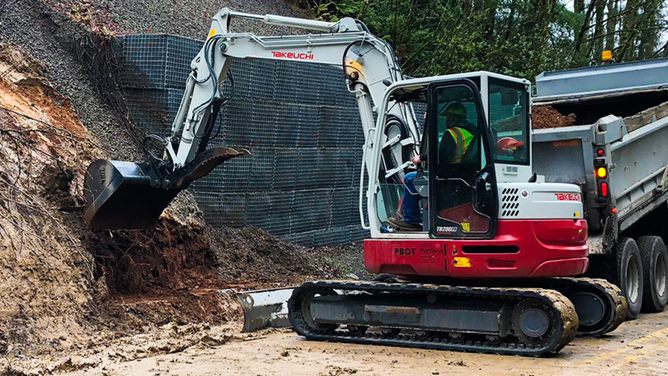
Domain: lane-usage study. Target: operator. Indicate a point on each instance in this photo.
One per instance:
(458, 144)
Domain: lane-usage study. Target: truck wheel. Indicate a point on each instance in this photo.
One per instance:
(655, 273)
(629, 275)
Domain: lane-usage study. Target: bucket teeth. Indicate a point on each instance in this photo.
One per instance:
(201, 166)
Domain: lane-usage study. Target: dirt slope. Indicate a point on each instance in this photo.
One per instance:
(60, 280)
(43, 268)
(63, 285)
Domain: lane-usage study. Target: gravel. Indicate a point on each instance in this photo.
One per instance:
(192, 18)
(50, 37)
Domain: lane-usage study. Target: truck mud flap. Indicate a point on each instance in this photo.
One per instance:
(265, 308)
(128, 195)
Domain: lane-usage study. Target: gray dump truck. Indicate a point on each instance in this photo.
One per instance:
(617, 151)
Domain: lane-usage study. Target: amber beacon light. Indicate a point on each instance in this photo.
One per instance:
(601, 172)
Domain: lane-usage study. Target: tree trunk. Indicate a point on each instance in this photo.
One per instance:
(649, 34)
(627, 36)
(511, 19)
(598, 30)
(613, 6)
(545, 13)
(490, 12)
(585, 26)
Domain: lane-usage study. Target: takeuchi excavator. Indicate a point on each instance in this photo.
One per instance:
(479, 275)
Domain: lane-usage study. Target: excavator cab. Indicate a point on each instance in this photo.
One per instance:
(476, 138)
(462, 188)
(455, 181)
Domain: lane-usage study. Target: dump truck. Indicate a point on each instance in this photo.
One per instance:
(616, 151)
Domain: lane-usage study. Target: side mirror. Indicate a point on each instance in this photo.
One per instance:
(483, 190)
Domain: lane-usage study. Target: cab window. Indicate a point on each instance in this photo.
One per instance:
(509, 121)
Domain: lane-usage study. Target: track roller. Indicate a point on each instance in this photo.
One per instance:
(600, 305)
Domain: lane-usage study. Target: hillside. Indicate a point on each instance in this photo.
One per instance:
(64, 286)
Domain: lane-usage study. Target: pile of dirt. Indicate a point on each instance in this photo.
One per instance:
(157, 276)
(176, 272)
(346, 261)
(253, 257)
(172, 256)
(544, 117)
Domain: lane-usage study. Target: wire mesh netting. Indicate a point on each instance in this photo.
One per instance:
(298, 120)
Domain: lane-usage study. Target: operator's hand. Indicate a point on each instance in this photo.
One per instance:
(416, 160)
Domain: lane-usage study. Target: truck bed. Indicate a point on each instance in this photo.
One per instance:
(636, 158)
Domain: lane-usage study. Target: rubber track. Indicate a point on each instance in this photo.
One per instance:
(564, 310)
(613, 295)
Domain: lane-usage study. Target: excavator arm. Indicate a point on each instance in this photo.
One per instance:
(133, 195)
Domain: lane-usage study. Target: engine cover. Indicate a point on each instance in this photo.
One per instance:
(540, 201)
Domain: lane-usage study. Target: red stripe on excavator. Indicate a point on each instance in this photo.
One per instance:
(521, 248)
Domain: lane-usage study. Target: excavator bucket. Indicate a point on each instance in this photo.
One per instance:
(123, 195)
(265, 308)
(128, 195)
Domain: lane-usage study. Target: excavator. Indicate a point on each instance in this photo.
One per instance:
(493, 267)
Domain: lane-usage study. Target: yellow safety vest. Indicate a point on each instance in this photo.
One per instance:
(463, 139)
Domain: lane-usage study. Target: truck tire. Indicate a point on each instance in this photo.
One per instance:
(629, 275)
(655, 273)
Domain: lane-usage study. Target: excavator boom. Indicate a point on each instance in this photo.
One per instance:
(133, 195)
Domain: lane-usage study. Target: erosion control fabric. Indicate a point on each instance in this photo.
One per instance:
(299, 122)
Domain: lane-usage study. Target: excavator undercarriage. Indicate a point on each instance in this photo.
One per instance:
(537, 317)
(528, 321)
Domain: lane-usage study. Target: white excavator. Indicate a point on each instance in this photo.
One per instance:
(475, 276)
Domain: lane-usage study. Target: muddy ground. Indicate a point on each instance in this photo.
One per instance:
(637, 348)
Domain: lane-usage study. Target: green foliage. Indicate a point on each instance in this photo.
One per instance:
(515, 37)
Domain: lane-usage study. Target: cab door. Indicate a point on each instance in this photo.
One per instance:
(463, 202)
